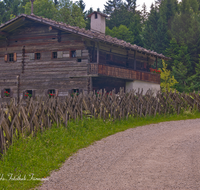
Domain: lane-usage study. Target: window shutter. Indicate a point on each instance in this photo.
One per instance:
(56, 92)
(15, 57)
(32, 56)
(78, 53)
(2, 93)
(60, 54)
(6, 58)
(80, 90)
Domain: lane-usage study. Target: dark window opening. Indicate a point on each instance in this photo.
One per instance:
(11, 57)
(54, 55)
(7, 92)
(75, 90)
(37, 56)
(73, 53)
(51, 93)
(16, 41)
(79, 60)
(28, 93)
(53, 38)
(96, 16)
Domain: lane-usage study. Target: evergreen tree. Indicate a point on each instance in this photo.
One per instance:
(144, 13)
(136, 28)
(195, 79)
(87, 20)
(150, 29)
(167, 10)
(112, 5)
(56, 2)
(130, 5)
(82, 5)
(120, 17)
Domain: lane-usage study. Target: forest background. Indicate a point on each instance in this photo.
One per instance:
(171, 28)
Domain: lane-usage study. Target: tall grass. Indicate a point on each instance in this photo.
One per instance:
(38, 156)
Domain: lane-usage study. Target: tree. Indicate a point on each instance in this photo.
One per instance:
(56, 2)
(144, 13)
(70, 13)
(4, 16)
(67, 12)
(121, 32)
(44, 8)
(120, 17)
(150, 30)
(87, 20)
(130, 5)
(136, 28)
(167, 80)
(82, 5)
(112, 5)
(195, 79)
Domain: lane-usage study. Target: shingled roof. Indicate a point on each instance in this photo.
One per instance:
(86, 33)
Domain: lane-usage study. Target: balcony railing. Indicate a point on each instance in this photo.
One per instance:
(123, 73)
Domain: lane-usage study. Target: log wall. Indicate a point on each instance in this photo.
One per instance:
(61, 73)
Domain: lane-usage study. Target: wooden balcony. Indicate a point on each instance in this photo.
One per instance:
(123, 73)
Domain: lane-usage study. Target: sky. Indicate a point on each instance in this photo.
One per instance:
(100, 4)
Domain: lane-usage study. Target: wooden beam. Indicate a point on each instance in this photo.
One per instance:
(97, 53)
(156, 62)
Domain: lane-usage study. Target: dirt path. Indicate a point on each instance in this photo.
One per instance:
(154, 157)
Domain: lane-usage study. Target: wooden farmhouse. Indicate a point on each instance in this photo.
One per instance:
(39, 56)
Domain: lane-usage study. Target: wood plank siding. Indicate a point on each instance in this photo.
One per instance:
(122, 73)
(39, 54)
(47, 72)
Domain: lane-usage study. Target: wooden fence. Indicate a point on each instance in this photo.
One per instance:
(33, 115)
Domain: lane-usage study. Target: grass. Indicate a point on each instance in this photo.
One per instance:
(45, 152)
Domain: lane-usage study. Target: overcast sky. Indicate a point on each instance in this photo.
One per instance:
(100, 4)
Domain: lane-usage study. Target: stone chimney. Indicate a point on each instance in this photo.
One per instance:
(98, 22)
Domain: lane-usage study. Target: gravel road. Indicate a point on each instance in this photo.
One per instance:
(154, 157)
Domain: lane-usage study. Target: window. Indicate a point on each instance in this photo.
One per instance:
(11, 57)
(75, 90)
(37, 56)
(54, 55)
(6, 92)
(51, 93)
(79, 60)
(73, 53)
(28, 93)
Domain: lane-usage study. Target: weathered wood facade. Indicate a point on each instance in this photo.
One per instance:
(42, 56)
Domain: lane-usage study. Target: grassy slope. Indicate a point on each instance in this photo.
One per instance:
(41, 154)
